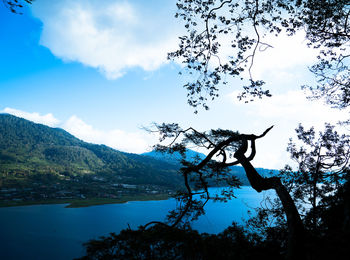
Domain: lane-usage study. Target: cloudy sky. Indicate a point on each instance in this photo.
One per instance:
(98, 69)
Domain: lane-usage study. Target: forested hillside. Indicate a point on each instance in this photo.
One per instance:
(37, 161)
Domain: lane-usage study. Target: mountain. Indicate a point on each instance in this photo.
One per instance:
(44, 160)
(175, 159)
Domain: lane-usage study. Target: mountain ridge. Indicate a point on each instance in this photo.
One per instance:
(33, 153)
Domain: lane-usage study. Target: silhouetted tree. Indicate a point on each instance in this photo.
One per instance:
(162, 242)
(319, 188)
(15, 5)
(322, 161)
(333, 233)
(215, 26)
(225, 148)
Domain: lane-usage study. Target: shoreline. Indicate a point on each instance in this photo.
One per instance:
(79, 203)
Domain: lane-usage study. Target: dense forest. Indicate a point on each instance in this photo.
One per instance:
(41, 163)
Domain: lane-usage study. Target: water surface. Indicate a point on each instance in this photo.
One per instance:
(55, 232)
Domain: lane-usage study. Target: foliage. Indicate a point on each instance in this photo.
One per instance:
(328, 30)
(218, 27)
(162, 242)
(15, 5)
(331, 238)
(322, 161)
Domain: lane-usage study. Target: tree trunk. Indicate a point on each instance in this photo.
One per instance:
(346, 223)
(295, 226)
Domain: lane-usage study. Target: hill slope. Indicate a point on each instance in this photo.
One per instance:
(45, 161)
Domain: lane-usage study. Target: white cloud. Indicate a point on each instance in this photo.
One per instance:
(47, 119)
(284, 111)
(133, 142)
(284, 68)
(276, 62)
(287, 53)
(111, 36)
(292, 107)
(115, 138)
(116, 35)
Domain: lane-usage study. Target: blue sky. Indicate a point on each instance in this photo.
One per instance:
(98, 69)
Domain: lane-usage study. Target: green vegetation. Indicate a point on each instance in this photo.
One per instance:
(48, 165)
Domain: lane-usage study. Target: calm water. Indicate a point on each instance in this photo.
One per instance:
(56, 232)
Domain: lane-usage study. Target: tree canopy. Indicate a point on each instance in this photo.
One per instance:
(322, 169)
(224, 36)
(16, 5)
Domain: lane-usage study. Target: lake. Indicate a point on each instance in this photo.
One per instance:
(55, 232)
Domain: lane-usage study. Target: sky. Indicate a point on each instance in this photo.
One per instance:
(98, 69)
